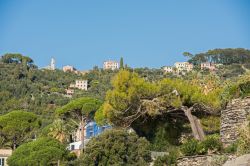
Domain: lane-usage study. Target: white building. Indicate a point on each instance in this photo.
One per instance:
(82, 84)
(110, 65)
(183, 66)
(168, 69)
(207, 65)
(4, 154)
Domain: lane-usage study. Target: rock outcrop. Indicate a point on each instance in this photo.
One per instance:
(232, 118)
(239, 161)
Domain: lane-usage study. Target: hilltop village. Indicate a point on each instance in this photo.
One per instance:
(179, 68)
(191, 113)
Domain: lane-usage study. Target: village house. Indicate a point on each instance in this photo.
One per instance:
(69, 92)
(208, 65)
(80, 84)
(111, 65)
(68, 68)
(168, 69)
(183, 66)
(4, 154)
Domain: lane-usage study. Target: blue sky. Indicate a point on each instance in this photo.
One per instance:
(150, 33)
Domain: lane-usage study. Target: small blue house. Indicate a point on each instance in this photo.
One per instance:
(92, 129)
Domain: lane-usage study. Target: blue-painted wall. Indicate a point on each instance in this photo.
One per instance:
(92, 129)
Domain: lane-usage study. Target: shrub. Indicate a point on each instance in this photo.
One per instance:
(42, 151)
(212, 143)
(116, 147)
(209, 145)
(244, 139)
(211, 124)
(192, 147)
(231, 148)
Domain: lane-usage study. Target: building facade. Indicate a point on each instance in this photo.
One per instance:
(168, 69)
(90, 130)
(111, 65)
(208, 65)
(81, 84)
(68, 68)
(4, 154)
(69, 92)
(183, 66)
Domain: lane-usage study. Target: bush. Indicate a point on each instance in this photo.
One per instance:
(116, 147)
(211, 124)
(192, 147)
(212, 143)
(231, 148)
(244, 139)
(42, 151)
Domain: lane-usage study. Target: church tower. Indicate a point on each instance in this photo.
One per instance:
(53, 64)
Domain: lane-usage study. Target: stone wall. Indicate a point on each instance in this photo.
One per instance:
(192, 160)
(232, 118)
(204, 160)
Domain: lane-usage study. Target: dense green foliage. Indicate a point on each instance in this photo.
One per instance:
(211, 124)
(17, 127)
(133, 99)
(224, 56)
(77, 109)
(43, 151)
(116, 147)
(191, 147)
(31, 89)
(211, 144)
(154, 104)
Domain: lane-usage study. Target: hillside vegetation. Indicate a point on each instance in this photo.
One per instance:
(179, 114)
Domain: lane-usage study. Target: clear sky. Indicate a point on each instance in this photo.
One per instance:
(150, 33)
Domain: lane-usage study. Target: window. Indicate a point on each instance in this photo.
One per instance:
(1, 161)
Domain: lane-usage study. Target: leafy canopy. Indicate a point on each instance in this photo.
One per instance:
(116, 147)
(43, 151)
(133, 97)
(17, 127)
(78, 108)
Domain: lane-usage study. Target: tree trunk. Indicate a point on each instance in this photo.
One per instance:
(82, 132)
(195, 125)
(14, 143)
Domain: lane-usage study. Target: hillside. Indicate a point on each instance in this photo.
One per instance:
(175, 113)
